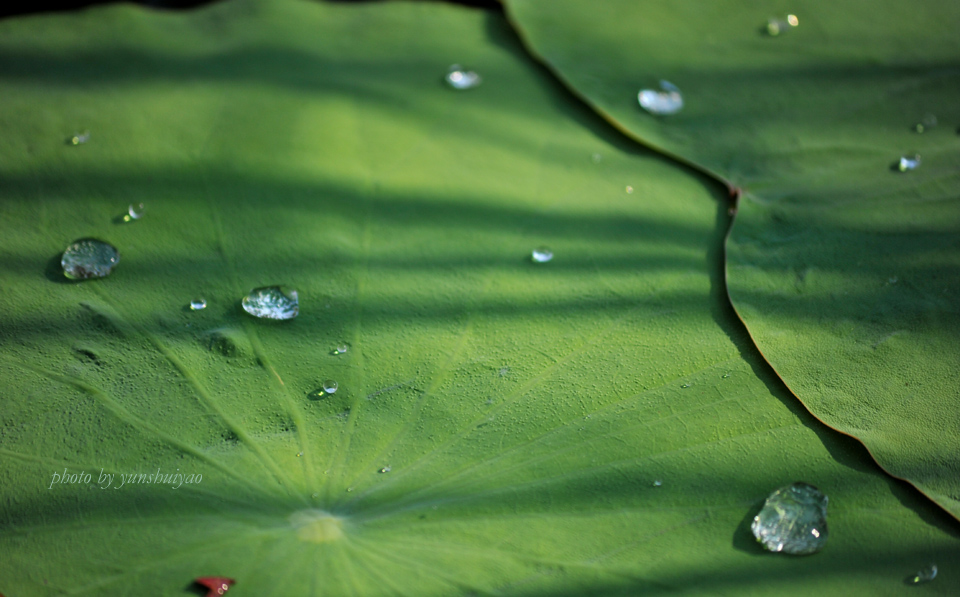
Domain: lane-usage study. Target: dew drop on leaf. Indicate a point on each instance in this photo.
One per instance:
(541, 255)
(272, 302)
(925, 574)
(79, 138)
(460, 79)
(89, 258)
(909, 162)
(197, 304)
(776, 26)
(793, 520)
(667, 101)
(330, 386)
(135, 211)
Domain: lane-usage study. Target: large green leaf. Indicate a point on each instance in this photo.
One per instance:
(845, 269)
(521, 412)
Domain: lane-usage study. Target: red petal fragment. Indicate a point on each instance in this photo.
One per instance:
(218, 585)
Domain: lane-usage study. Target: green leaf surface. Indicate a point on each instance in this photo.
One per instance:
(845, 270)
(522, 414)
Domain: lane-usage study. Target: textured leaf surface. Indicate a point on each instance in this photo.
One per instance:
(522, 413)
(845, 270)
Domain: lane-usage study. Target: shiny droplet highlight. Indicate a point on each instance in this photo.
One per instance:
(272, 302)
(79, 138)
(89, 258)
(330, 386)
(668, 100)
(135, 211)
(924, 575)
(198, 304)
(776, 26)
(793, 520)
(459, 78)
(909, 162)
(541, 255)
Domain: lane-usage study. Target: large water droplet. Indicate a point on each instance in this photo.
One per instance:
(925, 574)
(272, 302)
(777, 26)
(667, 101)
(793, 520)
(541, 255)
(341, 348)
(330, 386)
(458, 78)
(89, 258)
(197, 304)
(909, 162)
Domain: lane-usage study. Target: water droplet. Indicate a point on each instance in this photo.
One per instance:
(893, 280)
(909, 162)
(89, 258)
(197, 304)
(927, 122)
(386, 469)
(629, 189)
(458, 78)
(134, 212)
(777, 26)
(341, 348)
(79, 138)
(541, 255)
(725, 375)
(684, 385)
(330, 386)
(657, 483)
(925, 574)
(502, 372)
(272, 302)
(299, 454)
(667, 101)
(793, 520)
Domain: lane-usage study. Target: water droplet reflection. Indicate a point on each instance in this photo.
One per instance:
(925, 574)
(198, 304)
(909, 162)
(541, 255)
(461, 79)
(793, 520)
(777, 26)
(385, 469)
(89, 258)
(79, 138)
(667, 101)
(272, 302)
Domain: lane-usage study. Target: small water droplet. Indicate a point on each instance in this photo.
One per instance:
(89, 258)
(341, 348)
(386, 469)
(657, 483)
(349, 489)
(197, 304)
(909, 162)
(927, 122)
(793, 520)
(596, 158)
(330, 386)
(460, 79)
(79, 138)
(725, 375)
(667, 101)
(503, 372)
(893, 280)
(272, 302)
(541, 255)
(629, 189)
(299, 454)
(777, 26)
(684, 385)
(925, 574)
(134, 212)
